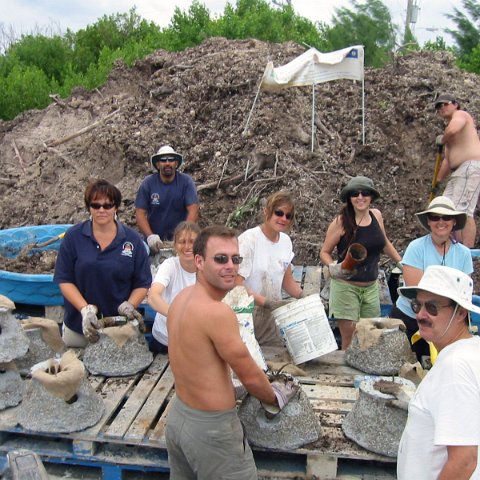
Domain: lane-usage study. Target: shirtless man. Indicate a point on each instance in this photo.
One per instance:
(204, 436)
(462, 158)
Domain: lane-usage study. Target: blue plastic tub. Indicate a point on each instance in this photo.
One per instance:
(475, 317)
(30, 289)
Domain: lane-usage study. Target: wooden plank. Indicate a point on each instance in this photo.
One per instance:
(327, 392)
(321, 466)
(113, 392)
(96, 381)
(151, 408)
(325, 379)
(137, 398)
(158, 434)
(328, 406)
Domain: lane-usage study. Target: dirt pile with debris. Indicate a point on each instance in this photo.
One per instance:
(198, 101)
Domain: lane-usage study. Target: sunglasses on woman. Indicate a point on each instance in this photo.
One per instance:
(364, 193)
(223, 259)
(105, 206)
(281, 213)
(431, 307)
(437, 218)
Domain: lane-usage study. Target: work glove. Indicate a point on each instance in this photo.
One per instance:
(285, 388)
(402, 393)
(90, 323)
(399, 266)
(439, 140)
(155, 243)
(335, 271)
(271, 305)
(434, 190)
(128, 310)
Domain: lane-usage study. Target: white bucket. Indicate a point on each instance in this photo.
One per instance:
(304, 327)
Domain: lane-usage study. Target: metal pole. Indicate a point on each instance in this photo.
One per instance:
(313, 115)
(363, 110)
(408, 21)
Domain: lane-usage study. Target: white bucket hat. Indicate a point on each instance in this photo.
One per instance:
(447, 282)
(166, 151)
(442, 206)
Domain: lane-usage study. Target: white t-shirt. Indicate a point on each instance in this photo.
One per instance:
(174, 278)
(444, 411)
(264, 262)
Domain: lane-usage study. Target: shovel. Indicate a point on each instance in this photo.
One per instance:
(438, 162)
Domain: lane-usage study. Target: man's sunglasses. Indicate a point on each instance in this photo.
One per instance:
(166, 159)
(281, 213)
(436, 218)
(223, 259)
(431, 307)
(438, 106)
(364, 193)
(105, 206)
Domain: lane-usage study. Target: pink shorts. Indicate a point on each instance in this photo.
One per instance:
(463, 188)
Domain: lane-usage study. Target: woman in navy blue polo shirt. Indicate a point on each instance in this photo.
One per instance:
(102, 267)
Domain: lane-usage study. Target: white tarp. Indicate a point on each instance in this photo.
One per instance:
(314, 67)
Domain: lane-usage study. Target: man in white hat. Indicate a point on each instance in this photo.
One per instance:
(165, 199)
(462, 158)
(442, 435)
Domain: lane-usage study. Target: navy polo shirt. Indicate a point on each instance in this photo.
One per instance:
(104, 278)
(166, 203)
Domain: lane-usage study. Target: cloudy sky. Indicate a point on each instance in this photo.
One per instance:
(55, 16)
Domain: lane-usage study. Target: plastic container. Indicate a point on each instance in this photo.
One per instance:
(305, 329)
(30, 289)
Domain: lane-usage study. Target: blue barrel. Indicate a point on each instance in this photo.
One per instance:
(30, 289)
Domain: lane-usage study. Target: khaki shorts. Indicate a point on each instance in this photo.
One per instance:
(73, 339)
(207, 445)
(463, 187)
(350, 302)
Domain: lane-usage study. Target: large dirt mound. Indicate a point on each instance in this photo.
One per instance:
(198, 101)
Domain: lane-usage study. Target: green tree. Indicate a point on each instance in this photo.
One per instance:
(188, 28)
(48, 54)
(24, 88)
(467, 35)
(113, 32)
(369, 24)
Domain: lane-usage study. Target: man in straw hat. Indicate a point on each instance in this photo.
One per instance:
(462, 158)
(438, 247)
(442, 434)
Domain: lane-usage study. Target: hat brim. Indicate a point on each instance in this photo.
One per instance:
(460, 220)
(411, 293)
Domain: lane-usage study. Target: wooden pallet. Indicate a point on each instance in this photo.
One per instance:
(130, 435)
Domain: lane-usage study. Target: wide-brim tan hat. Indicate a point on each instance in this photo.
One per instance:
(447, 282)
(442, 206)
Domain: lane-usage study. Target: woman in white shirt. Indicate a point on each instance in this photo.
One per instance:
(266, 268)
(173, 275)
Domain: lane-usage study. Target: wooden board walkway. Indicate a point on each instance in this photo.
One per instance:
(130, 435)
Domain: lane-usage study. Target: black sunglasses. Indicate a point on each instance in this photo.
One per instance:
(364, 193)
(105, 206)
(431, 307)
(436, 218)
(438, 106)
(223, 259)
(281, 213)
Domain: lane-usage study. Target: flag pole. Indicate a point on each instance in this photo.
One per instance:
(313, 115)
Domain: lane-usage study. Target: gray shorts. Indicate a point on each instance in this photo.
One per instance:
(207, 445)
(463, 187)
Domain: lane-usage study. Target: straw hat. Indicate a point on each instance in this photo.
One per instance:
(442, 206)
(447, 282)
